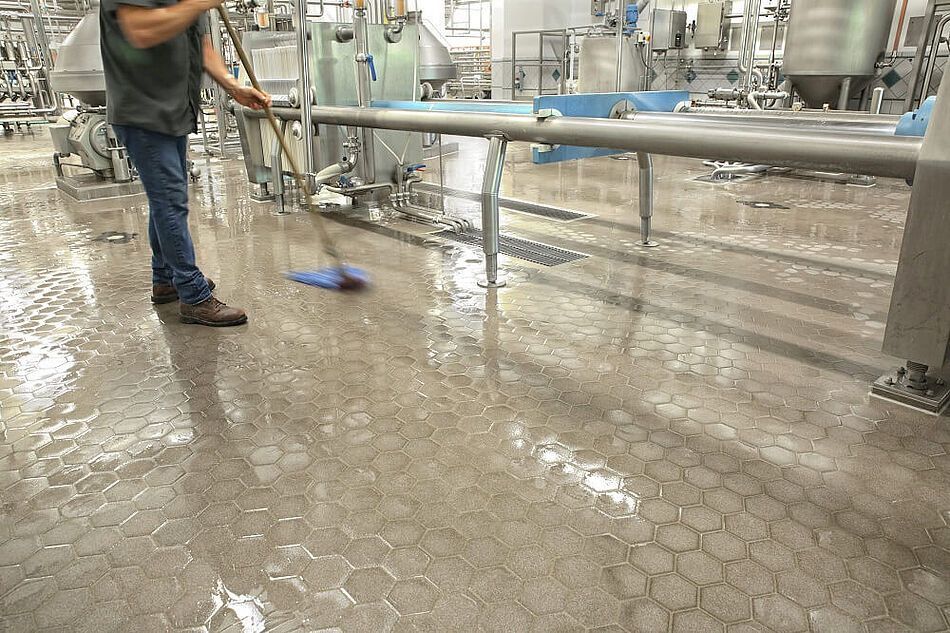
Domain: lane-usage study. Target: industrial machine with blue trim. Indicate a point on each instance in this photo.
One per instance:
(591, 106)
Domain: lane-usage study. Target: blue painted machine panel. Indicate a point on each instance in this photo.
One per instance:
(599, 106)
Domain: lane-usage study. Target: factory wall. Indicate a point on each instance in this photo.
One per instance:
(689, 69)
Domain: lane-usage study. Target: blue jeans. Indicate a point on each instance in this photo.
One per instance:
(163, 167)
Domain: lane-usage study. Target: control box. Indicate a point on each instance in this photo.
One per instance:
(712, 25)
(669, 29)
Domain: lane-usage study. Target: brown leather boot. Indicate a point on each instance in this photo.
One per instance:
(212, 313)
(166, 293)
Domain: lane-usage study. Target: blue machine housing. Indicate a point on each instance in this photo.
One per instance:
(916, 123)
(592, 106)
(599, 106)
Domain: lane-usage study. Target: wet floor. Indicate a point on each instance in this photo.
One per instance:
(643, 440)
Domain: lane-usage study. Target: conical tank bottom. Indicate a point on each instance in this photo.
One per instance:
(818, 90)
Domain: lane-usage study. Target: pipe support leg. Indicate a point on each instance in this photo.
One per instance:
(645, 162)
(491, 229)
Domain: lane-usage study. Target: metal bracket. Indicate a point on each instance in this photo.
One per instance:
(543, 115)
(913, 389)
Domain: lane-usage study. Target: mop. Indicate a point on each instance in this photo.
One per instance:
(341, 276)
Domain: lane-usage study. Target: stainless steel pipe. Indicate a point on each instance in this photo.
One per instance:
(817, 125)
(872, 155)
(364, 94)
(303, 53)
(491, 222)
(646, 199)
(816, 116)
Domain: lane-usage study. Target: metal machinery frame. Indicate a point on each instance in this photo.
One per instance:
(936, 24)
(540, 62)
(918, 324)
(26, 31)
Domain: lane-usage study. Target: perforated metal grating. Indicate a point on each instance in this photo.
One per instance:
(519, 206)
(535, 252)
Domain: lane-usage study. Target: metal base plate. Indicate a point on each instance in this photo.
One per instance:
(501, 282)
(86, 188)
(888, 388)
(648, 244)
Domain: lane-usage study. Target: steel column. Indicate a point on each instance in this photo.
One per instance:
(491, 223)
(646, 199)
(303, 54)
(918, 324)
(220, 99)
(364, 93)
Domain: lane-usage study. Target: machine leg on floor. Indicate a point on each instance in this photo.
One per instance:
(918, 323)
(645, 162)
(491, 229)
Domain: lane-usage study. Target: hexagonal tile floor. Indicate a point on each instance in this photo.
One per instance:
(674, 439)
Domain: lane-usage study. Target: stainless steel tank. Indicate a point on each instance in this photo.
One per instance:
(435, 62)
(829, 41)
(597, 71)
(78, 69)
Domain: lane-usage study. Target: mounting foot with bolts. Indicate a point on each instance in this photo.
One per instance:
(912, 386)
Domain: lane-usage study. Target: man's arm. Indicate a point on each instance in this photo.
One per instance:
(218, 71)
(145, 27)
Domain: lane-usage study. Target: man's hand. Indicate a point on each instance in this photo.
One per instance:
(250, 98)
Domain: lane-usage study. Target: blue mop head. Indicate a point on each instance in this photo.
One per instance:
(336, 278)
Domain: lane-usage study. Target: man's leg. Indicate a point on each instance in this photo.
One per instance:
(161, 273)
(161, 166)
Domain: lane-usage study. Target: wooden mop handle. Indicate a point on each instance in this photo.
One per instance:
(302, 182)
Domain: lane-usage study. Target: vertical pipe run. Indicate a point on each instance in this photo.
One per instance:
(306, 122)
(364, 93)
(491, 229)
(621, 14)
(645, 162)
(934, 54)
(220, 101)
(41, 34)
(845, 95)
(877, 100)
(277, 169)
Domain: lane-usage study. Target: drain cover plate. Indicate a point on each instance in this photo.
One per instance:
(518, 206)
(527, 250)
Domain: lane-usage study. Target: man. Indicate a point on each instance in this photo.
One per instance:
(153, 54)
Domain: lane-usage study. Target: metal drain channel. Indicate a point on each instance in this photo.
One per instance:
(534, 252)
(518, 206)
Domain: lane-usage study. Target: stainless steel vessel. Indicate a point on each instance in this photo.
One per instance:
(78, 70)
(835, 43)
(435, 62)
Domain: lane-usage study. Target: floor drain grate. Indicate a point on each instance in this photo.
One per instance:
(535, 252)
(518, 206)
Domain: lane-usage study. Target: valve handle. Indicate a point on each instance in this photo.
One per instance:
(372, 66)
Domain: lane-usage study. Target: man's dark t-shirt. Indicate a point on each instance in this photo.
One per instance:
(156, 89)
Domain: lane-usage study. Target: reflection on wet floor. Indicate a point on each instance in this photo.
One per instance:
(674, 439)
